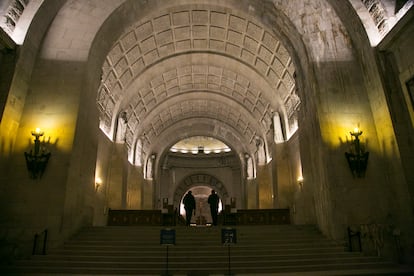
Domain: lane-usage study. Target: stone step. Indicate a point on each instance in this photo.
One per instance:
(213, 259)
(206, 262)
(208, 269)
(213, 241)
(248, 230)
(180, 250)
(177, 256)
(199, 251)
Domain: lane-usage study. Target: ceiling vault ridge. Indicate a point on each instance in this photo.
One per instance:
(230, 118)
(200, 109)
(189, 127)
(214, 80)
(161, 37)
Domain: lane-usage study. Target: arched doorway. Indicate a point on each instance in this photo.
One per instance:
(202, 215)
(201, 186)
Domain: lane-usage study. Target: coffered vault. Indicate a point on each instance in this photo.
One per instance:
(249, 73)
(200, 61)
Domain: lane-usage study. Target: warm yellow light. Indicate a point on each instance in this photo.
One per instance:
(300, 182)
(356, 132)
(98, 183)
(37, 132)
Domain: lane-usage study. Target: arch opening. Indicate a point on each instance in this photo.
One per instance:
(202, 215)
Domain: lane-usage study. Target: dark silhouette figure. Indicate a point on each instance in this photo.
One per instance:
(189, 206)
(213, 200)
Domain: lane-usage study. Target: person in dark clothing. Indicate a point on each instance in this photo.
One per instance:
(189, 206)
(213, 200)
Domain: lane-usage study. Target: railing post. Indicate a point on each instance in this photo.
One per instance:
(44, 242)
(36, 237)
(35, 244)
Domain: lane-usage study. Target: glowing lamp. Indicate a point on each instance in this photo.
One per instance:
(300, 182)
(98, 183)
(357, 157)
(37, 159)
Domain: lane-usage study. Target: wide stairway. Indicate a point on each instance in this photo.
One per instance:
(267, 250)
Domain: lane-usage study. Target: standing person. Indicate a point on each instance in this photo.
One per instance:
(189, 206)
(213, 200)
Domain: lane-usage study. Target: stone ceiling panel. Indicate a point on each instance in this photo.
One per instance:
(183, 80)
(205, 28)
(197, 107)
(195, 127)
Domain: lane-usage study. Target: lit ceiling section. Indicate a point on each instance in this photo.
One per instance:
(194, 126)
(181, 33)
(205, 109)
(200, 144)
(16, 18)
(380, 16)
(185, 90)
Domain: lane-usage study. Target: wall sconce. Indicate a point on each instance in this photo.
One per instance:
(357, 158)
(36, 159)
(300, 182)
(98, 183)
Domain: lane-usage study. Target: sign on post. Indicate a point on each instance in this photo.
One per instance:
(228, 236)
(167, 236)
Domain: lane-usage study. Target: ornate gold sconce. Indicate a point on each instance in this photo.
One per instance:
(357, 157)
(36, 159)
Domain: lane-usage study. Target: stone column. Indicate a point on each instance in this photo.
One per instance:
(147, 194)
(251, 194)
(135, 187)
(265, 186)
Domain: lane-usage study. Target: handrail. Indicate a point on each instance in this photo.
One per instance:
(36, 237)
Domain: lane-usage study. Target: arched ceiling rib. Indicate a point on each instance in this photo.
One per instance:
(208, 29)
(17, 14)
(158, 95)
(165, 29)
(200, 144)
(202, 108)
(197, 71)
(184, 30)
(196, 127)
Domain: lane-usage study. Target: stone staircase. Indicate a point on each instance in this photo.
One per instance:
(270, 250)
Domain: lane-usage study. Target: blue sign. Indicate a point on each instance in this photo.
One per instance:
(167, 236)
(228, 235)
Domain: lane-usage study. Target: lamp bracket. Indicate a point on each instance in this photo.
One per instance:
(37, 159)
(357, 158)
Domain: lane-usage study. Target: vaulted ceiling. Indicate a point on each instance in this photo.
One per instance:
(196, 61)
(175, 69)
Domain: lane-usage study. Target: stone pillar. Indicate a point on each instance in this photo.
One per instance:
(148, 194)
(116, 177)
(251, 194)
(134, 190)
(165, 184)
(265, 186)
(236, 189)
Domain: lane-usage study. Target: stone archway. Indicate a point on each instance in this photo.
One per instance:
(200, 180)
